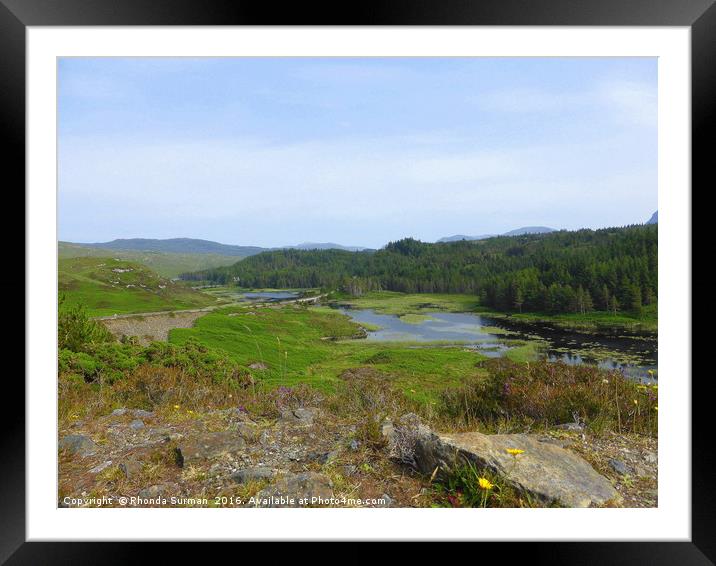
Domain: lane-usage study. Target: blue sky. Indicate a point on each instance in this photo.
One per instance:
(359, 151)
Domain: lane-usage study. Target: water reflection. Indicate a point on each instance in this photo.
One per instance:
(633, 355)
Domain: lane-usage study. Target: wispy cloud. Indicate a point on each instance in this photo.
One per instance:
(633, 101)
(357, 151)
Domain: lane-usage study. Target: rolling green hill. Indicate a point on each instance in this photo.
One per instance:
(166, 264)
(108, 286)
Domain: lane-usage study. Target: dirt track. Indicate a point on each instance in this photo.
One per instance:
(153, 326)
(150, 327)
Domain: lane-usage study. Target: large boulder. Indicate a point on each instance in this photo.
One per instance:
(308, 489)
(545, 471)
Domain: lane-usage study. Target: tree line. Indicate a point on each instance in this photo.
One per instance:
(612, 269)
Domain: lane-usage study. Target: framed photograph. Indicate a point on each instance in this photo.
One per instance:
(423, 275)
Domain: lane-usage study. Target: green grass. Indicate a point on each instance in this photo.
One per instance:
(415, 318)
(166, 264)
(302, 345)
(647, 322)
(390, 302)
(526, 352)
(93, 282)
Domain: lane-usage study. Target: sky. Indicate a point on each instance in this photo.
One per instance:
(356, 151)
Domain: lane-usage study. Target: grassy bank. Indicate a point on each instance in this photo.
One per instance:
(593, 321)
(390, 302)
(108, 285)
(166, 264)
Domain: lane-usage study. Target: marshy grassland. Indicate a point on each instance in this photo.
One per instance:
(402, 304)
(315, 345)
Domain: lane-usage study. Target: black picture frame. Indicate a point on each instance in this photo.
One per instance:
(17, 15)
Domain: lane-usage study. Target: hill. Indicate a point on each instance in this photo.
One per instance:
(108, 286)
(177, 245)
(654, 218)
(516, 232)
(609, 269)
(186, 252)
(166, 264)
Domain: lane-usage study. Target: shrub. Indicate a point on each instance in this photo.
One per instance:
(546, 393)
(76, 331)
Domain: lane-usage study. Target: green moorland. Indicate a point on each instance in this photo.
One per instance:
(258, 360)
(166, 264)
(107, 286)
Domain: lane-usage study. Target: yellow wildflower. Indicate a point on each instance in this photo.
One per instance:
(656, 407)
(636, 402)
(514, 451)
(485, 484)
(176, 406)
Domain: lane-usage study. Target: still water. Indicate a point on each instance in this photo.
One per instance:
(634, 355)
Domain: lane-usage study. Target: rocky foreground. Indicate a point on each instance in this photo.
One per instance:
(308, 457)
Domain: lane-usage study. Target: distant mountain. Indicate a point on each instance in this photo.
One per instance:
(178, 245)
(195, 246)
(517, 232)
(326, 246)
(529, 230)
(654, 218)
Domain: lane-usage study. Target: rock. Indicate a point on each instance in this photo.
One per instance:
(354, 445)
(211, 445)
(100, 467)
(258, 365)
(142, 414)
(160, 490)
(253, 474)
(387, 501)
(131, 468)
(163, 432)
(78, 444)
(324, 457)
(547, 472)
(619, 467)
(215, 470)
(248, 431)
(136, 424)
(578, 427)
(650, 458)
(119, 412)
(302, 416)
(308, 489)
